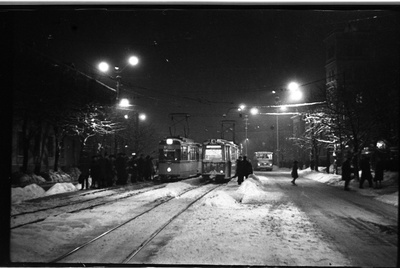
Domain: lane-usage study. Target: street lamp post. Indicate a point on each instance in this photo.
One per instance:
(295, 95)
(104, 67)
(124, 103)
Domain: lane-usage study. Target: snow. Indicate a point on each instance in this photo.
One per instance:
(255, 193)
(246, 212)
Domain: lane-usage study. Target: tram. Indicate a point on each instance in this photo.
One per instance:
(179, 158)
(219, 159)
(263, 160)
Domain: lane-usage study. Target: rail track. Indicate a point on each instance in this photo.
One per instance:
(77, 203)
(121, 243)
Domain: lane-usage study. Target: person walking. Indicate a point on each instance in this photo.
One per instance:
(346, 173)
(365, 172)
(379, 168)
(294, 173)
(248, 168)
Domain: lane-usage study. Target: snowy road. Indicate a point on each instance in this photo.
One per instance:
(265, 221)
(363, 229)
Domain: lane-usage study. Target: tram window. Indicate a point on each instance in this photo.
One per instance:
(213, 154)
(193, 155)
(184, 153)
(169, 154)
(234, 154)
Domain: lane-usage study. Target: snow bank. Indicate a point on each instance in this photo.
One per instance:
(59, 188)
(33, 191)
(30, 191)
(220, 199)
(392, 199)
(171, 189)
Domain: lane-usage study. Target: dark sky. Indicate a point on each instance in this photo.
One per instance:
(195, 60)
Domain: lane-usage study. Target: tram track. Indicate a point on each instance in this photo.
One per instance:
(31, 217)
(171, 207)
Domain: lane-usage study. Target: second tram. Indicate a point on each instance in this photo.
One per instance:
(179, 158)
(219, 159)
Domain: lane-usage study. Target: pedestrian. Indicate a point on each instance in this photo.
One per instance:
(140, 166)
(107, 168)
(294, 173)
(148, 168)
(102, 180)
(346, 173)
(120, 167)
(95, 171)
(239, 173)
(110, 170)
(365, 172)
(379, 168)
(248, 168)
(84, 167)
(132, 167)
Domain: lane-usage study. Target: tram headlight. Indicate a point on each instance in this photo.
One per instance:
(169, 169)
(221, 171)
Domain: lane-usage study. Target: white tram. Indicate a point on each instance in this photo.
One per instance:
(179, 158)
(219, 159)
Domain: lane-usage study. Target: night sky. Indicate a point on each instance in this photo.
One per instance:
(197, 60)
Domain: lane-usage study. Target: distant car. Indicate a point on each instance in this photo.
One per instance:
(263, 161)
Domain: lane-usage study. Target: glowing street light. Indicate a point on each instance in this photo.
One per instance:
(104, 67)
(142, 117)
(295, 92)
(254, 111)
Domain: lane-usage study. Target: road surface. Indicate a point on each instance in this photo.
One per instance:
(363, 229)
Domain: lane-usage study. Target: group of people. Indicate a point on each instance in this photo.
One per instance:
(365, 172)
(347, 171)
(108, 170)
(243, 169)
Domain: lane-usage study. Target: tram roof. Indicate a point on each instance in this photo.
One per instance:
(219, 141)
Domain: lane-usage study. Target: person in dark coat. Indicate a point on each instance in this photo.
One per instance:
(95, 171)
(365, 172)
(148, 168)
(140, 167)
(132, 168)
(84, 167)
(294, 173)
(379, 168)
(248, 168)
(103, 171)
(109, 170)
(239, 170)
(120, 167)
(346, 173)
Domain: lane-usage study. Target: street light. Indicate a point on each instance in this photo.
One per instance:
(295, 95)
(104, 67)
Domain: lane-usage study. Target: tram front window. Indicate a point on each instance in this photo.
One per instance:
(169, 155)
(213, 154)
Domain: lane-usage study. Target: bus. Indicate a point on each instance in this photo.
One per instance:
(179, 158)
(263, 160)
(219, 159)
